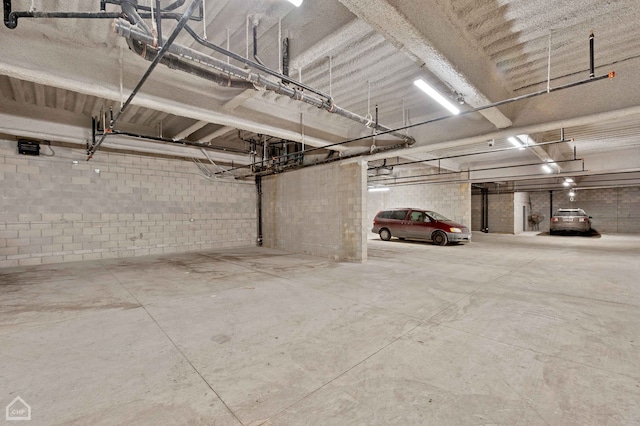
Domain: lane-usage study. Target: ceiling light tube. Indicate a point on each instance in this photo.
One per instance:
(546, 168)
(422, 85)
(296, 3)
(378, 189)
(515, 142)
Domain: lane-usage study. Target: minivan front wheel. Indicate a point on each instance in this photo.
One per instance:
(385, 234)
(440, 238)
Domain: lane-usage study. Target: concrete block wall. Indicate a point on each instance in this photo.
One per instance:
(501, 213)
(317, 210)
(614, 210)
(453, 200)
(540, 204)
(52, 210)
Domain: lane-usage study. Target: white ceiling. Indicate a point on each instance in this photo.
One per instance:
(55, 74)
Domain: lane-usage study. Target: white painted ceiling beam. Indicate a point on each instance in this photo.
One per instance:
(190, 130)
(503, 134)
(399, 30)
(218, 133)
(59, 131)
(170, 106)
(347, 34)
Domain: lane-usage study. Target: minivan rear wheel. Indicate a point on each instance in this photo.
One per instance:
(440, 238)
(385, 234)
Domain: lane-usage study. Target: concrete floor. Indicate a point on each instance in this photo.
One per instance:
(510, 330)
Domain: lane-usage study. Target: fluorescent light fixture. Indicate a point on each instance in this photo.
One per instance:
(378, 189)
(422, 85)
(566, 183)
(516, 142)
(572, 194)
(524, 139)
(546, 168)
(568, 180)
(296, 3)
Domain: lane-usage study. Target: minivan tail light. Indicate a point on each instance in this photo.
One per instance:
(554, 219)
(583, 219)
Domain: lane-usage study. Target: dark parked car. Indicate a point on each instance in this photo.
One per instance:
(418, 224)
(570, 220)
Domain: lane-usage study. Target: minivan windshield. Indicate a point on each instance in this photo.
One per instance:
(437, 216)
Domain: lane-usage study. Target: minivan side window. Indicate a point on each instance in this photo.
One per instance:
(399, 214)
(417, 217)
(385, 214)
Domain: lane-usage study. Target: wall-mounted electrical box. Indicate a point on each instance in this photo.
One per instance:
(27, 147)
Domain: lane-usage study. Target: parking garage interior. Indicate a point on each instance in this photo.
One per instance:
(188, 191)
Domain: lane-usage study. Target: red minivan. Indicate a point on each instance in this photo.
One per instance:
(418, 224)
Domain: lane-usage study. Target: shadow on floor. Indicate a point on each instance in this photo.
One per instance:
(590, 234)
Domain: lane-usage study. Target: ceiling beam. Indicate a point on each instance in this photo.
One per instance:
(170, 106)
(190, 130)
(400, 31)
(354, 30)
(503, 134)
(218, 133)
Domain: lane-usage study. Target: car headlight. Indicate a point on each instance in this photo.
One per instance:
(455, 230)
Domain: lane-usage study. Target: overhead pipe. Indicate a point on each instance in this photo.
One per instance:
(285, 56)
(125, 29)
(130, 12)
(176, 63)
(259, 208)
(11, 17)
(592, 71)
(181, 24)
(255, 42)
(284, 78)
(176, 4)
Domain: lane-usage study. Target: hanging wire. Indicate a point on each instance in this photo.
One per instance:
(204, 19)
(368, 116)
(154, 27)
(330, 76)
(549, 64)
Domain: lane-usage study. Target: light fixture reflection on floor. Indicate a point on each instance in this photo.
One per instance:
(296, 3)
(422, 85)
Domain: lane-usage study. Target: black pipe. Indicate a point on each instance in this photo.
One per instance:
(11, 18)
(550, 207)
(181, 24)
(592, 71)
(159, 22)
(285, 56)
(176, 4)
(485, 210)
(259, 207)
(176, 63)
(255, 45)
(177, 142)
(255, 65)
(610, 75)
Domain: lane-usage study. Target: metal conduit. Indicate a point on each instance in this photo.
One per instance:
(125, 29)
(183, 21)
